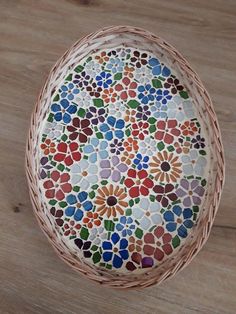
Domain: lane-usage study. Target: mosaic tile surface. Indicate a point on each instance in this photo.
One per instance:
(123, 161)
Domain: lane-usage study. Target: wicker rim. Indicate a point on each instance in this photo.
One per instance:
(177, 264)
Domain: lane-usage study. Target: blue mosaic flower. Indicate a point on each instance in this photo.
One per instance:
(141, 161)
(179, 219)
(79, 204)
(63, 110)
(113, 128)
(126, 226)
(115, 65)
(96, 149)
(115, 250)
(104, 79)
(159, 110)
(163, 96)
(69, 91)
(158, 69)
(146, 93)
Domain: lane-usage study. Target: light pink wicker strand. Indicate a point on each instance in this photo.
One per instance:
(188, 251)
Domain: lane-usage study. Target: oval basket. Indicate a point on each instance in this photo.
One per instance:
(154, 245)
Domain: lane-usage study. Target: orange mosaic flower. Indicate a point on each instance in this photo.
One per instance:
(131, 144)
(182, 147)
(130, 116)
(48, 147)
(110, 201)
(91, 219)
(166, 167)
(128, 71)
(127, 158)
(188, 128)
(135, 244)
(102, 57)
(109, 95)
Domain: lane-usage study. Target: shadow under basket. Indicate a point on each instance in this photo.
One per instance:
(124, 159)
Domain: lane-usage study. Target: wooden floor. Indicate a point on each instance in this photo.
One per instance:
(33, 35)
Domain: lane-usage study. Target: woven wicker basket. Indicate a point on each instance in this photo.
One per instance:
(127, 40)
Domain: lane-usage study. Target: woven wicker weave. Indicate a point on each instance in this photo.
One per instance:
(137, 38)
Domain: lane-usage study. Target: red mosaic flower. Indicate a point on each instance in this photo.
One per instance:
(158, 243)
(165, 194)
(57, 186)
(70, 228)
(80, 128)
(188, 128)
(67, 153)
(140, 129)
(109, 95)
(138, 183)
(166, 130)
(126, 89)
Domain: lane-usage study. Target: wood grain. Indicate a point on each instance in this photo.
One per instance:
(33, 35)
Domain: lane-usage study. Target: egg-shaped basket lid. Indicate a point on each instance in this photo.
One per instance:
(124, 158)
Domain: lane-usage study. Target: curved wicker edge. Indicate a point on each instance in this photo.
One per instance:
(104, 277)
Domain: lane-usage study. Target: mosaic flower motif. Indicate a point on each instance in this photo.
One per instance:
(193, 164)
(92, 68)
(53, 130)
(165, 194)
(158, 68)
(163, 96)
(78, 205)
(112, 169)
(67, 153)
(81, 80)
(63, 111)
(143, 75)
(127, 158)
(147, 213)
(45, 166)
(96, 150)
(159, 110)
(116, 147)
(104, 79)
(102, 58)
(182, 146)
(173, 84)
(138, 261)
(84, 246)
(84, 174)
(109, 95)
(93, 90)
(130, 116)
(158, 243)
(71, 227)
(115, 65)
(140, 129)
(138, 182)
(128, 71)
(148, 146)
(131, 145)
(96, 115)
(113, 128)
(69, 91)
(143, 112)
(115, 250)
(91, 219)
(138, 59)
(178, 219)
(126, 88)
(48, 147)
(167, 130)
(135, 244)
(146, 93)
(80, 128)
(126, 226)
(166, 167)
(57, 185)
(110, 201)
(97, 235)
(57, 214)
(180, 109)
(188, 128)
(141, 162)
(190, 191)
(198, 142)
(83, 100)
(117, 109)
